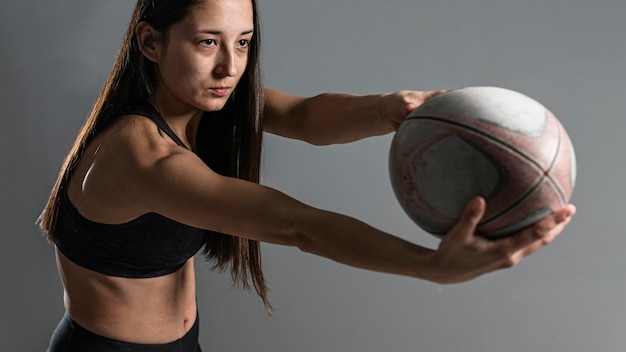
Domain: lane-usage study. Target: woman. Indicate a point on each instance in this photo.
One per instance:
(168, 163)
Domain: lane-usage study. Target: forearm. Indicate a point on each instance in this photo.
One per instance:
(329, 118)
(352, 242)
(334, 118)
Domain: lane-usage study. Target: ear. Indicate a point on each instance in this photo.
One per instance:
(149, 41)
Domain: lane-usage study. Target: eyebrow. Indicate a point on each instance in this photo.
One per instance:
(214, 32)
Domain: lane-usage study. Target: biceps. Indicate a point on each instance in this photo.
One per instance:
(189, 192)
(248, 210)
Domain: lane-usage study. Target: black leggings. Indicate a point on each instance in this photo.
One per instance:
(71, 337)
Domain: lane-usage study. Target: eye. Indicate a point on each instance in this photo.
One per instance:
(243, 43)
(208, 42)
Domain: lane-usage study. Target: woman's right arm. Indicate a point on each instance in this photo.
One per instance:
(180, 186)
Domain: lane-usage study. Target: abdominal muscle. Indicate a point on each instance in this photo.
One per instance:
(144, 311)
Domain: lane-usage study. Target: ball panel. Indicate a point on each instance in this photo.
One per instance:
(447, 184)
(536, 204)
(410, 143)
(540, 147)
(521, 174)
(571, 160)
(499, 107)
(562, 172)
(510, 228)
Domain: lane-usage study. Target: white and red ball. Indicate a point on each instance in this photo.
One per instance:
(487, 141)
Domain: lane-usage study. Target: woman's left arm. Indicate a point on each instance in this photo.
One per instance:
(333, 118)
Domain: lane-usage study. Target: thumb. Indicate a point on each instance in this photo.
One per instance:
(473, 213)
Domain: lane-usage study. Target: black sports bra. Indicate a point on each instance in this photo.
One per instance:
(148, 246)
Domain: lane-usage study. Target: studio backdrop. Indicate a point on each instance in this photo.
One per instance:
(569, 55)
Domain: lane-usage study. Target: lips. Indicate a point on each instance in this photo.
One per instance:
(220, 91)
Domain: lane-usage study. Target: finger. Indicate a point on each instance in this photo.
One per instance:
(541, 233)
(435, 93)
(409, 108)
(465, 228)
(421, 98)
(547, 239)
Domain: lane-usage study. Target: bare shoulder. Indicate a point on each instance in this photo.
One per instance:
(107, 181)
(139, 139)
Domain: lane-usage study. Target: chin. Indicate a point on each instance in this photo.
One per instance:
(213, 104)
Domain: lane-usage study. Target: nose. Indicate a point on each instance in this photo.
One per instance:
(225, 65)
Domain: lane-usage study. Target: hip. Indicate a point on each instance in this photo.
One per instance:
(70, 337)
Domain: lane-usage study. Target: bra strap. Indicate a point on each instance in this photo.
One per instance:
(148, 110)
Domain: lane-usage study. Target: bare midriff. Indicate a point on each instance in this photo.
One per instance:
(145, 311)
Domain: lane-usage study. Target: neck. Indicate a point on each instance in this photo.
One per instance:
(181, 118)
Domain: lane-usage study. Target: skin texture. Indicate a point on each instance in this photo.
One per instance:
(199, 63)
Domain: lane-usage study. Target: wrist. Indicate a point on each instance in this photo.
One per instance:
(426, 266)
(386, 120)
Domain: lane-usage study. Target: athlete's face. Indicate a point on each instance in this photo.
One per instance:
(205, 54)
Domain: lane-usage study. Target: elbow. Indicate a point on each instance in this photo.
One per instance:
(309, 129)
(294, 231)
(308, 133)
(315, 135)
(306, 244)
(318, 142)
(295, 239)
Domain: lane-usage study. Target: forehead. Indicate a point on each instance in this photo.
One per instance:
(221, 15)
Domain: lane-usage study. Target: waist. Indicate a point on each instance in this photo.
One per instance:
(147, 311)
(70, 332)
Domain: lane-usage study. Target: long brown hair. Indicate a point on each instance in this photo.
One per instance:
(229, 141)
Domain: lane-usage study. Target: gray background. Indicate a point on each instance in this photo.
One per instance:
(55, 56)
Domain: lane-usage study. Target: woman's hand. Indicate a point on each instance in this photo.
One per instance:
(399, 104)
(463, 254)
